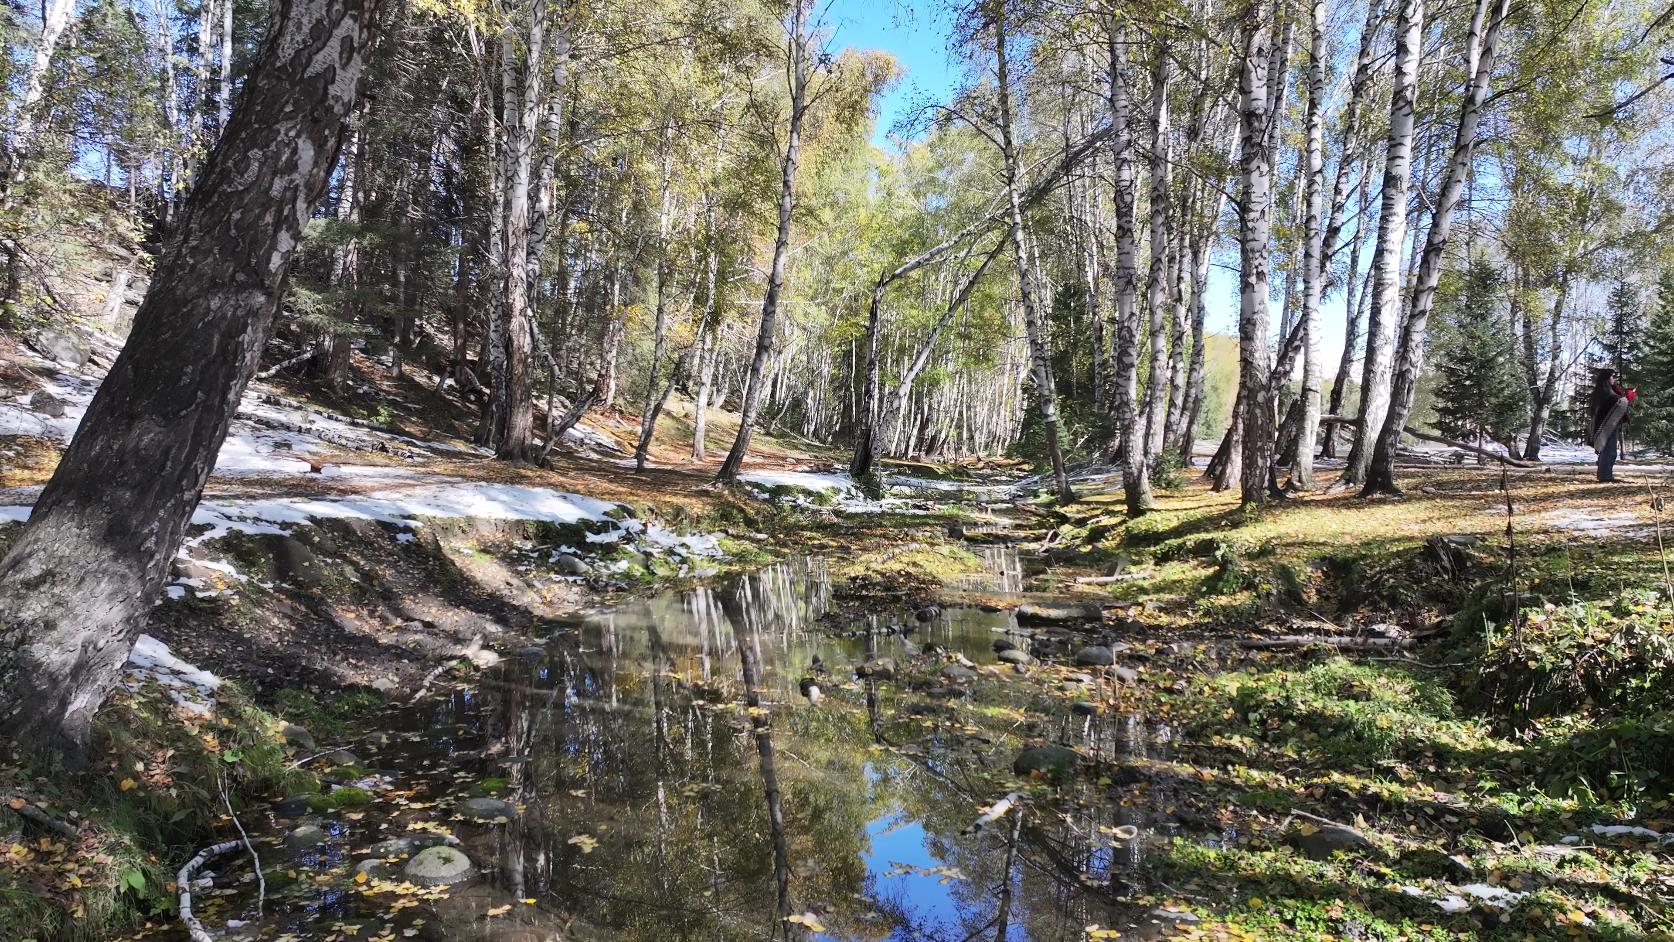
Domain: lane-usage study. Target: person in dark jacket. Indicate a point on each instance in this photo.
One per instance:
(1609, 412)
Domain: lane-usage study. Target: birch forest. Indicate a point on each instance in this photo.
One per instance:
(343, 343)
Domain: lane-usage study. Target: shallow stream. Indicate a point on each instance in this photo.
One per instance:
(668, 776)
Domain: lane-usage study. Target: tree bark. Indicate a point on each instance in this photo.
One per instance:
(797, 68)
(1313, 253)
(1255, 249)
(79, 582)
(1410, 359)
(1125, 387)
(1392, 228)
(1139, 497)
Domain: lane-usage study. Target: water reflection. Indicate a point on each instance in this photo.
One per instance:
(675, 781)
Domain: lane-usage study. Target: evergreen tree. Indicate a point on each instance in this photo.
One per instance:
(1625, 331)
(1653, 412)
(1479, 396)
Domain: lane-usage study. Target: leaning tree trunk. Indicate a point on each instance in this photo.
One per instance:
(1255, 249)
(1313, 253)
(1034, 326)
(798, 69)
(1392, 229)
(1354, 299)
(80, 580)
(1480, 67)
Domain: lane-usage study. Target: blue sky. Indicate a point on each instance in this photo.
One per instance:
(915, 32)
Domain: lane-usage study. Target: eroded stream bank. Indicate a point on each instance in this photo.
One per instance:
(710, 764)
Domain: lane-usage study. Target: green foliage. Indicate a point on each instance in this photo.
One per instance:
(1615, 656)
(1653, 411)
(1479, 392)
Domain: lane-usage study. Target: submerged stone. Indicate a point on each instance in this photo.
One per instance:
(438, 866)
(487, 810)
(1013, 656)
(1055, 612)
(1054, 763)
(305, 836)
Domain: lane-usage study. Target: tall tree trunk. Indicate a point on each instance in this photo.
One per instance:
(336, 345)
(81, 578)
(1255, 249)
(1392, 229)
(1313, 253)
(1479, 68)
(1124, 401)
(797, 51)
(25, 123)
(1034, 326)
(1354, 300)
(1193, 406)
(225, 101)
(1149, 443)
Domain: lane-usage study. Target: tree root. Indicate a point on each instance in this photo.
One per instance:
(194, 928)
(29, 812)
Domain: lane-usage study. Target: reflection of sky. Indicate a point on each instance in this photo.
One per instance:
(898, 840)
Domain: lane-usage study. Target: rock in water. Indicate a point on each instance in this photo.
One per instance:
(1320, 841)
(294, 807)
(1014, 656)
(305, 836)
(1126, 675)
(1038, 613)
(487, 810)
(1083, 708)
(1003, 644)
(1094, 655)
(438, 866)
(1053, 763)
(880, 668)
(571, 566)
(958, 673)
(928, 613)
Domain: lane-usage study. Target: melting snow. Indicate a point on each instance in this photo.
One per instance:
(188, 685)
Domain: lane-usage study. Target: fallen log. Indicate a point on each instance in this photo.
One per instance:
(1429, 437)
(183, 880)
(1341, 643)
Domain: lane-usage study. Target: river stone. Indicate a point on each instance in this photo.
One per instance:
(61, 346)
(1320, 841)
(293, 807)
(958, 673)
(990, 607)
(1078, 678)
(393, 847)
(881, 668)
(1083, 708)
(1054, 763)
(1126, 675)
(487, 810)
(297, 736)
(570, 566)
(383, 685)
(343, 757)
(531, 653)
(1054, 612)
(928, 613)
(305, 836)
(1013, 656)
(1004, 644)
(1094, 655)
(375, 869)
(438, 866)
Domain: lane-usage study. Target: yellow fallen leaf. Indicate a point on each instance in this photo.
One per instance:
(498, 911)
(127, 784)
(361, 877)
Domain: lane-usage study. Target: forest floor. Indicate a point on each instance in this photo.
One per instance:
(1472, 740)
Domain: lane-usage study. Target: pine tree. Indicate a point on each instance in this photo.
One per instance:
(1653, 412)
(1479, 395)
(1626, 330)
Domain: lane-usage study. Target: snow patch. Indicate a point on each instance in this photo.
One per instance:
(188, 685)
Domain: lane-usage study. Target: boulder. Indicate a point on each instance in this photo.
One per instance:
(1014, 656)
(1047, 613)
(1126, 675)
(343, 757)
(297, 736)
(1053, 763)
(1004, 644)
(438, 866)
(487, 810)
(1094, 655)
(61, 346)
(1320, 841)
(878, 668)
(958, 673)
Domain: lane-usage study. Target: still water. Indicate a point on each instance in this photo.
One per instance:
(674, 778)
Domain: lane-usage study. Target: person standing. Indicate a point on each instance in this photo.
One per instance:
(1609, 411)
